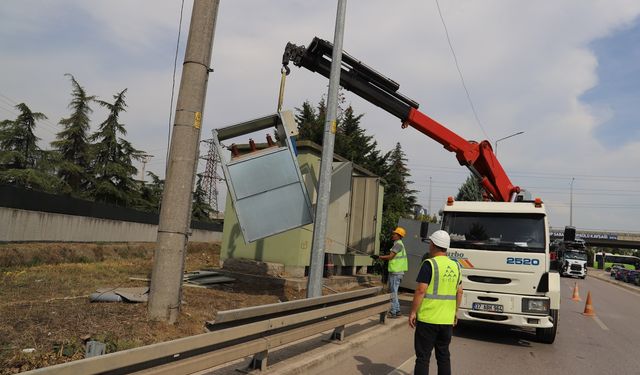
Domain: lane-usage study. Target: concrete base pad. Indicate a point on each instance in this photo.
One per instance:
(300, 283)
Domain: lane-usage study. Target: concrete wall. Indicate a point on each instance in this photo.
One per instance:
(22, 225)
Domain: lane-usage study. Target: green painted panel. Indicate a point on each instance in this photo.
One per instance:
(293, 247)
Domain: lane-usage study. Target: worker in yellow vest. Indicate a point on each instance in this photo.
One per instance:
(435, 304)
(398, 265)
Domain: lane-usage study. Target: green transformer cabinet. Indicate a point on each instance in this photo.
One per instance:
(353, 227)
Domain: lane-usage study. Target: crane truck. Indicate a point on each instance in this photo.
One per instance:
(501, 244)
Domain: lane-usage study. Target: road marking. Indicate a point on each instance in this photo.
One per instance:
(405, 368)
(604, 327)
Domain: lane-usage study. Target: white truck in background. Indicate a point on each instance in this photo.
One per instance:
(571, 255)
(573, 263)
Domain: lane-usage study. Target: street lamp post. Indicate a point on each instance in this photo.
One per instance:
(571, 203)
(495, 151)
(429, 211)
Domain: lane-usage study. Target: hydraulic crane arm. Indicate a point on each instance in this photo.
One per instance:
(383, 92)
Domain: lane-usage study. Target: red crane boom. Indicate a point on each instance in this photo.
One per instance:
(383, 92)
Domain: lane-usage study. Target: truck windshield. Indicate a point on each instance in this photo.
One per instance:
(496, 231)
(575, 255)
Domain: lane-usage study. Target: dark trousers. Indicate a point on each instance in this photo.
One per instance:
(427, 337)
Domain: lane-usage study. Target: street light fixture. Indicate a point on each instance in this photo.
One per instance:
(495, 151)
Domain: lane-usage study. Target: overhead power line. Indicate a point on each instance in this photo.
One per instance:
(455, 58)
(595, 205)
(173, 80)
(47, 125)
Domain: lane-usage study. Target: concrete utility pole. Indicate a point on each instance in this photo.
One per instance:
(314, 283)
(175, 213)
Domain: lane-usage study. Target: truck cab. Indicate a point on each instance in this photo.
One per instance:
(503, 252)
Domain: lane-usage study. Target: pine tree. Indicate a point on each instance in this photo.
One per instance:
(310, 122)
(399, 199)
(200, 209)
(72, 142)
(112, 162)
(352, 141)
(151, 194)
(402, 199)
(376, 162)
(18, 141)
(22, 162)
(471, 190)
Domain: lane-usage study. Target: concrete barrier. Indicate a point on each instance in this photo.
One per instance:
(31, 226)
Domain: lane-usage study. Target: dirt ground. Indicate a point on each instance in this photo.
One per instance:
(44, 302)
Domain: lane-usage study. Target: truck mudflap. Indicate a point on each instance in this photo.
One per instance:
(507, 309)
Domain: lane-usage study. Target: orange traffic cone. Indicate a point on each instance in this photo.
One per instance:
(588, 308)
(576, 295)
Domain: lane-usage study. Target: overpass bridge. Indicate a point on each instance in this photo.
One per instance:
(626, 240)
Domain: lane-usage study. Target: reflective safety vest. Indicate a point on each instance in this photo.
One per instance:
(399, 263)
(439, 303)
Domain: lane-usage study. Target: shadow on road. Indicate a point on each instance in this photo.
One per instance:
(366, 367)
(495, 333)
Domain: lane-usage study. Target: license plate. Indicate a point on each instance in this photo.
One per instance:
(487, 307)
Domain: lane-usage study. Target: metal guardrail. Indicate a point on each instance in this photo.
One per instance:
(245, 332)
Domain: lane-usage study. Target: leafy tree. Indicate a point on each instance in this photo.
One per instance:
(427, 218)
(200, 209)
(112, 158)
(22, 162)
(72, 142)
(471, 190)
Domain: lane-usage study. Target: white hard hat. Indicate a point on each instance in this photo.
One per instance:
(441, 239)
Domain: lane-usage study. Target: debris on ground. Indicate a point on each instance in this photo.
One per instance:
(198, 279)
(54, 319)
(206, 278)
(139, 294)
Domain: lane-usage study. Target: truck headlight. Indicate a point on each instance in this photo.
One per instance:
(536, 306)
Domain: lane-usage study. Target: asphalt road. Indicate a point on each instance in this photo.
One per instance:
(608, 343)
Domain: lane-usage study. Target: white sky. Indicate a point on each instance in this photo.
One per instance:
(527, 66)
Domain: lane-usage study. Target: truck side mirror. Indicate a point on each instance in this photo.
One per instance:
(424, 230)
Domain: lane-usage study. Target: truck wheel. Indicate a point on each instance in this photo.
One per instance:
(548, 335)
